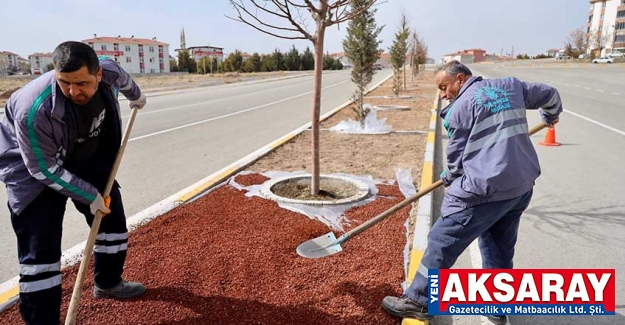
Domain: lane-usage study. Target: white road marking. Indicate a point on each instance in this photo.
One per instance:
(228, 115)
(605, 126)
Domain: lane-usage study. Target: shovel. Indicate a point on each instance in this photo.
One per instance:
(328, 244)
(95, 226)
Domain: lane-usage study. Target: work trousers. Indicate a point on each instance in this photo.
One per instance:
(496, 224)
(39, 230)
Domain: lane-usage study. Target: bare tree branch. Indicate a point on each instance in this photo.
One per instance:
(240, 8)
(289, 16)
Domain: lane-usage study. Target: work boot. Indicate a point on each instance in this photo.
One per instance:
(124, 289)
(497, 319)
(405, 307)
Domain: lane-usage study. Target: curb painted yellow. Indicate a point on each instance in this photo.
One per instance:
(9, 294)
(424, 212)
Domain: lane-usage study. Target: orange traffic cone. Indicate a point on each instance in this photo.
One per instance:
(550, 138)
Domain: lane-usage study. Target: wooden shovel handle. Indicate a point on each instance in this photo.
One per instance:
(95, 226)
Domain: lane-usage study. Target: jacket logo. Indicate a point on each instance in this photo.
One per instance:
(494, 99)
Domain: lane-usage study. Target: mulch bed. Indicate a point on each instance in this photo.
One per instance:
(230, 259)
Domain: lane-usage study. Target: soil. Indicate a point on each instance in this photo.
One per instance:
(227, 258)
(300, 189)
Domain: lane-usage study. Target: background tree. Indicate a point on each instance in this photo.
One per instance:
(308, 60)
(185, 62)
(173, 65)
(278, 60)
(287, 19)
(398, 51)
(292, 60)
(578, 41)
(234, 62)
(599, 40)
(361, 47)
(267, 64)
(418, 53)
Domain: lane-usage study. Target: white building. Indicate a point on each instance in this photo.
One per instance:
(606, 26)
(460, 56)
(39, 63)
(135, 55)
(199, 52)
(9, 62)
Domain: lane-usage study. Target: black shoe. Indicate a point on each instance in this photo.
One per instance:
(404, 307)
(497, 319)
(123, 290)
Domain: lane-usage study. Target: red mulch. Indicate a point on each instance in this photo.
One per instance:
(230, 259)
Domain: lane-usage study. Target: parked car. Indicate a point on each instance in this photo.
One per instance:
(377, 66)
(616, 54)
(603, 59)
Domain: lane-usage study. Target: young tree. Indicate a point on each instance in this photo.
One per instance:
(286, 19)
(278, 60)
(184, 61)
(398, 51)
(234, 61)
(256, 62)
(173, 65)
(599, 40)
(418, 53)
(361, 47)
(308, 60)
(267, 64)
(292, 60)
(578, 40)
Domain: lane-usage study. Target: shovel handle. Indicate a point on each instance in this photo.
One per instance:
(405, 202)
(95, 226)
(389, 212)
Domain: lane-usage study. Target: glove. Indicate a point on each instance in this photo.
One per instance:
(139, 102)
(100, 204)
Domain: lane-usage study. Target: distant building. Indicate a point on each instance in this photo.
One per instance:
(552, 52)
(9, 62)
(39, 63)
(606, 26)
(200, 52)
(135, 55)
(459, 56)
(430, 61)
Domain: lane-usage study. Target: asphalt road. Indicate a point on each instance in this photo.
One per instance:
(181, 137)
(577, 215)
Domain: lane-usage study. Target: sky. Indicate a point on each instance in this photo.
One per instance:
(446, 26)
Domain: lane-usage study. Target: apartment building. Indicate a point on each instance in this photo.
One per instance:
(606, 26)
(135, 55)
(39, 63)
(9, 62)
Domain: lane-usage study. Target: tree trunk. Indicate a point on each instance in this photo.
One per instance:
(318, 44)
(404, 76)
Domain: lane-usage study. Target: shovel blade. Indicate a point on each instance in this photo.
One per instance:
(319, 247)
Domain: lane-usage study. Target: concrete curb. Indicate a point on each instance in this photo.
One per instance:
(9, 290)
(424, 210)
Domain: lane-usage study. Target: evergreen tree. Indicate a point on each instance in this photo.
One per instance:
(361, 48)
(267, 64)
(184, 60)
(292, 61)
(308, 60)
(398, 51)
(278, 60)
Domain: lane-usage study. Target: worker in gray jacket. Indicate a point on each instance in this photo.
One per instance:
(491, 169)
(58, 139)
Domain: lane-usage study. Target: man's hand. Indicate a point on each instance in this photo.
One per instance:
(554, 122)
(100, 205)
(139, 102)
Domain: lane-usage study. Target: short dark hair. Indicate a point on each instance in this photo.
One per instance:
(72, 56)
(453, 68)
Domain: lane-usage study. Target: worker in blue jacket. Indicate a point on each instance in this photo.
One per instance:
(59, 138)
(491, 169)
